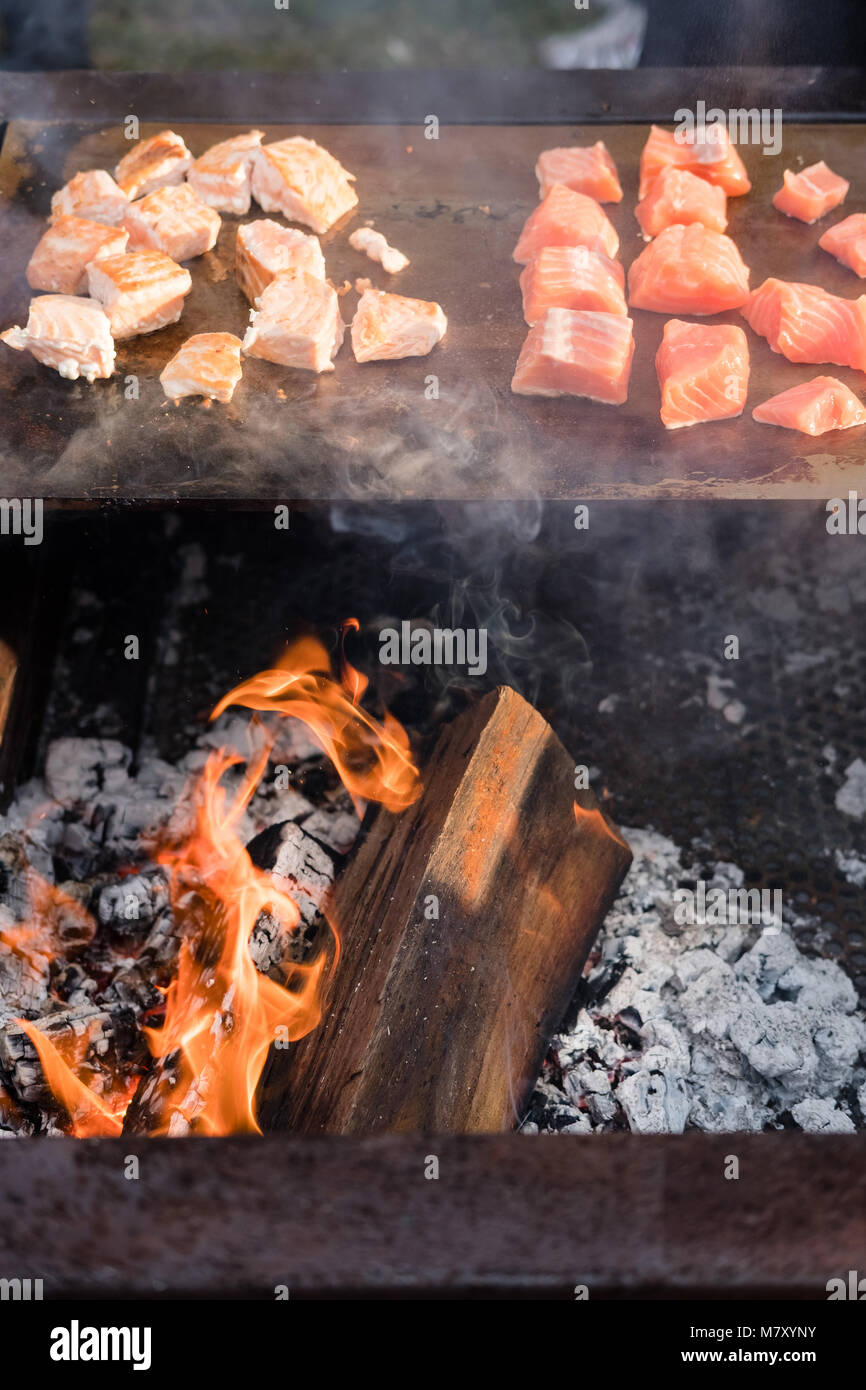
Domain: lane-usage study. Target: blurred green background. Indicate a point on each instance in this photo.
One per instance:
(166, 35)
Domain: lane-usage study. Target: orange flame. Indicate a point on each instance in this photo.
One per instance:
(90, 1115)
(222, 1016)
(594, 818)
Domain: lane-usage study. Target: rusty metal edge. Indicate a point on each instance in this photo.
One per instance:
(509, 1215)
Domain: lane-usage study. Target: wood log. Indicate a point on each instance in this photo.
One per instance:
(465, 922)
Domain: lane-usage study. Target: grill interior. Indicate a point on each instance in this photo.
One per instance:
(613, 632)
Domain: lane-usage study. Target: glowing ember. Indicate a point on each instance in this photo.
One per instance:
(221, 1014)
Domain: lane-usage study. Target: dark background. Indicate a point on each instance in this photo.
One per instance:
(325, 35)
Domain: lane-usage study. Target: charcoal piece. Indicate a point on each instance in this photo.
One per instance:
(138, 982)
(130, 905)
(98, 1039)
(302, 867)
(14, 877)
(72, 983)
(24, 978)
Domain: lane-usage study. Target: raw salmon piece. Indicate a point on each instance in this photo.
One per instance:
(707, 153)
(566, 218)
(587, 169)
(208, 364)
(703, 372)
(689, 270)
(847, 242)
(813, 407)
(304, 182)
(678, 196)
(68, 333)
(811, 193)
(374, 245)
(576, 352)
(807, 324)
(94, 196)
(297, 324)
(173, 220)
(572, 277)
(264, 249)
(60, 260)
(387, 326)
(163, 159)
(222, 176)
(140, 291)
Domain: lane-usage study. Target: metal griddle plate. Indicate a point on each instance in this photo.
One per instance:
(456, 207)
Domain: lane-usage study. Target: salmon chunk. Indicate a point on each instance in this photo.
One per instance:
(173, 220)
(297, 323)
(811, 193)
(388, 326)
(374, 245)
(264, 249)
(572, 277)
(807, 324)
(689, 270)
(577, 352)
(68, 333)
(94, 196)
(587, 169)
(208, 364)
(304, 182)
(677, 196)
(707, 153)
(140, 291)
(813, 407)
(566, 218)
(222, 176)
(703, 372)
(61, 258)
(847, 242)
(155, 163)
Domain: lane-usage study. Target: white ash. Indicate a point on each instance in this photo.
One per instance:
(717, 1027)
(851, 796)
(853, 867)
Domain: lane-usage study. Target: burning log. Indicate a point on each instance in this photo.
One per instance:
(465, 921)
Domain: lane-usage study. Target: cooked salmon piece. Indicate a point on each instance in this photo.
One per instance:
(62, 255)
(297, 323)
(587, 169)
(154, 163)
(387, 326)
(374, 245)
(173, 220)
(703, 372)
(140, 291)
(566, 218)
(207, 364)
(264, 249)
(813, 407)
(68, 333)
(677, 196)
(807, 324)
(304, 182)
(811, 193)
(92, 195)
(688, 270)
(576, 352)
(707, 153)
(847, 242)
(572, 277)
(222, 176)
